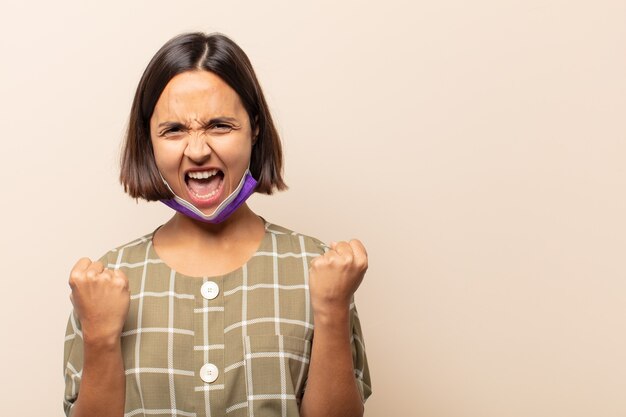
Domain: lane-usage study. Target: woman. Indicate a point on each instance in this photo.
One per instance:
(212, 313)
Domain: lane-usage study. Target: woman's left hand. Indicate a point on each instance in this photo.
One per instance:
(336, 275)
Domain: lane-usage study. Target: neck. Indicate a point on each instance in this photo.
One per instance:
(242, 221)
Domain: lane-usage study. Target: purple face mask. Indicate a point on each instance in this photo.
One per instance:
(244, 190)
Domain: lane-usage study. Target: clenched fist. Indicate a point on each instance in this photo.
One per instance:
(336, 275)
(101, 300)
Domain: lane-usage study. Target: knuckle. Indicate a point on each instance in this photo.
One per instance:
(119, 282)
(315, 265)
(76, 274)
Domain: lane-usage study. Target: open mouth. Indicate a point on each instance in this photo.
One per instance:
(204, 186)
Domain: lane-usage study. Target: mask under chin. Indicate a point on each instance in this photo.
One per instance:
(245, 189)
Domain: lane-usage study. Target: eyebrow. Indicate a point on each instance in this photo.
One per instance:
(220, 119)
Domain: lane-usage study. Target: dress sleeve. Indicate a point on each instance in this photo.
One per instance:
(72, 362)
(73, 357)
(359, 357)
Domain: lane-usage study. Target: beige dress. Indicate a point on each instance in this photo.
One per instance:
(232, 345)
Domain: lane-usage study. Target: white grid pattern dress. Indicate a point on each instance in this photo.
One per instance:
(232, 345)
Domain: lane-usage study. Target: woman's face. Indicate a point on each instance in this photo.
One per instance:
(202, 138)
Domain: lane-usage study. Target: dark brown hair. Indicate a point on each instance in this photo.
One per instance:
(189, 52)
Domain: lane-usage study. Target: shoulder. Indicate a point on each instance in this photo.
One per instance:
(135, 250)
(294, 241)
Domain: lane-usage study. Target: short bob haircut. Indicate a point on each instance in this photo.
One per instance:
(191, 52)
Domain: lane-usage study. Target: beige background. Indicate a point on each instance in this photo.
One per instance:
(477, 148)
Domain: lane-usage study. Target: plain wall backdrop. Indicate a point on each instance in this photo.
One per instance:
(476, 148)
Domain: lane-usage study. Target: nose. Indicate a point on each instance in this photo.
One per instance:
(198, 150)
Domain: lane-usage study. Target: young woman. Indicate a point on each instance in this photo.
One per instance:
(217, 312)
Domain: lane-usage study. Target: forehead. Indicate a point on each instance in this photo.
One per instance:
(197, 94)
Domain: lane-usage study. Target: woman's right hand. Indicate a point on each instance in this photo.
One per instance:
(101, 300)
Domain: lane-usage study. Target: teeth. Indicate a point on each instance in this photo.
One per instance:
(202, 174)
(209, 195)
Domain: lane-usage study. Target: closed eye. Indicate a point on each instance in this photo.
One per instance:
(221, 127)
(172, 129)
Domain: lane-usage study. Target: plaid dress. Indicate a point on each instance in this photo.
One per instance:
(232, 345)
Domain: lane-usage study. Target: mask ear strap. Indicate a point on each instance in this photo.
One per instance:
(165, 182)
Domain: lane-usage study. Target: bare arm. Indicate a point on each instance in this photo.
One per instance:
(103, 384)
(331, 385)
(101, 300)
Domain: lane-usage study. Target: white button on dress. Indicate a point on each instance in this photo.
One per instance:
(209, 290)
(209, 373)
